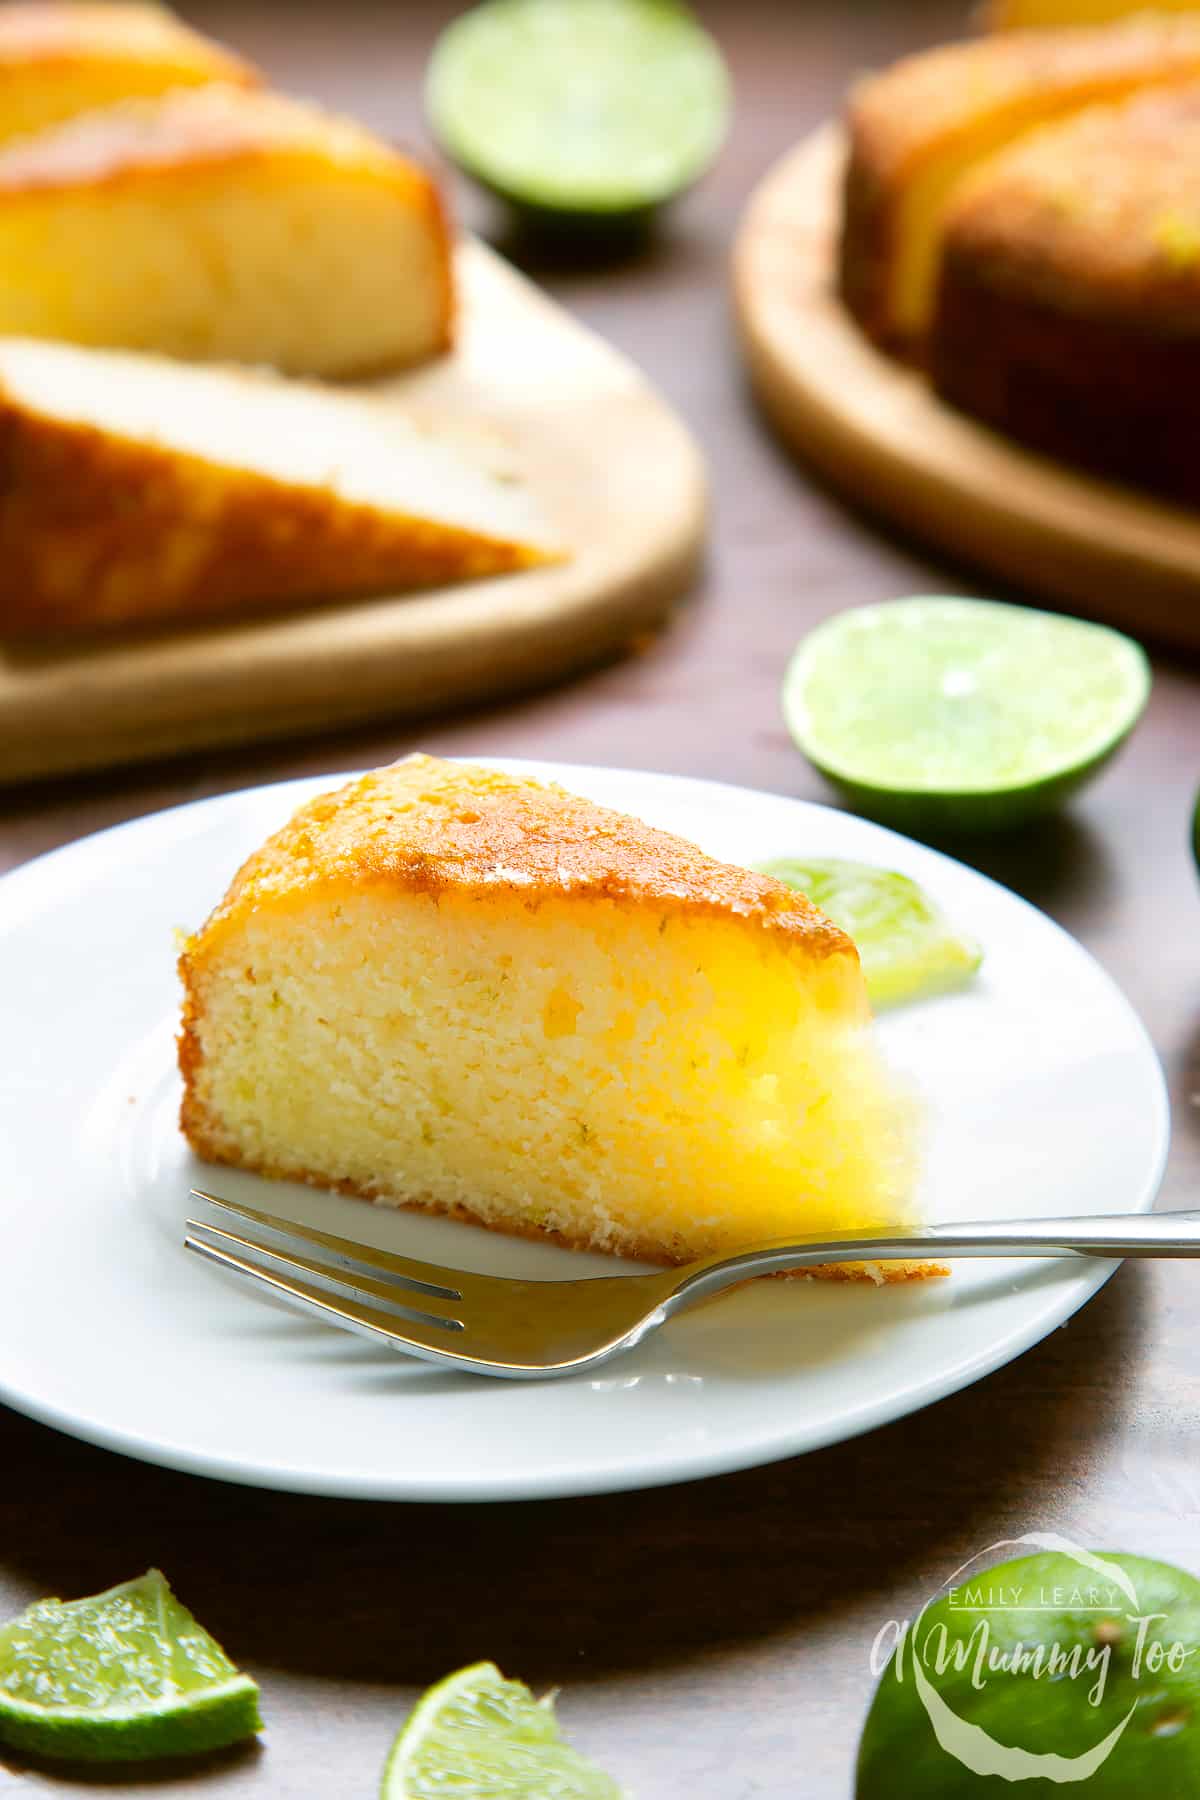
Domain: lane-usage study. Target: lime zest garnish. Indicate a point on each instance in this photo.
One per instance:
(477, 1734)
(122, 1676)
(907, 946)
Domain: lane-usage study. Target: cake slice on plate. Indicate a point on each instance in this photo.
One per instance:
(137, 490)
(225, 223)
(918, 129)
(59, 60)
(469, 992)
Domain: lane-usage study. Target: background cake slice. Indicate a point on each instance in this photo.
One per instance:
(918, 129)
(59, 60)
(1069, 304)
(134, 489)
(225, 223)
(455, 989)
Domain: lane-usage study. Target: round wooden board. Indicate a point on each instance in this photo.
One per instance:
(878, 431)
(620, 481)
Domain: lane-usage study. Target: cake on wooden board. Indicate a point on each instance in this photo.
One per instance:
(1068, 310)
(59, 60)
(226, 223)
(469, 992)
(135, 490)
(918, 130)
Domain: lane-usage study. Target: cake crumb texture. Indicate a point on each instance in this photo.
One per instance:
(447, 987)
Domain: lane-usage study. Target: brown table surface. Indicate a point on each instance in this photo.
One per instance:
(713, 1638)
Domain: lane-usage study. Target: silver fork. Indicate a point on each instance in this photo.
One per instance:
(532, 1329)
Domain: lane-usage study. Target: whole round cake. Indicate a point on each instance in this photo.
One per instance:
(1068, 304)
(920, 129)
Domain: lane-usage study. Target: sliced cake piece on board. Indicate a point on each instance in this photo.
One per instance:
(225, 223)
(59, 60)
(134, 489)
(466, 991)
(920, 127)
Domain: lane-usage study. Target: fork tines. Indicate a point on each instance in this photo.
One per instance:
(344, 1285)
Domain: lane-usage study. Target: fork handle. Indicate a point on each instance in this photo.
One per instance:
(1113, 1235)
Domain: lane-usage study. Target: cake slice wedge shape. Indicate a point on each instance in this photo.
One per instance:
(135, 490)
(456, 989)
(221, 223)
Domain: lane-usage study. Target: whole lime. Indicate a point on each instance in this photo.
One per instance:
(1045, 1671)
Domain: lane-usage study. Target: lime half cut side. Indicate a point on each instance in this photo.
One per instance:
(479, 1736)
(584, 109)
(120, 1677)
(961, 715)
(907, 946)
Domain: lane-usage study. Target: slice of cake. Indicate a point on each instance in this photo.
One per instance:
(56, 61)
(459, 990)
(1069, 306)
(917, 131)
(229, 224)
(135, 490)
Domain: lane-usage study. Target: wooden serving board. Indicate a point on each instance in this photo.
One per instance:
(621, 484)
(877, 430)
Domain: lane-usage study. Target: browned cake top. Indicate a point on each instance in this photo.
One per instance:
(1101, 214)
(427, 826)
(941, 94)
(186, 127)
(36, 33)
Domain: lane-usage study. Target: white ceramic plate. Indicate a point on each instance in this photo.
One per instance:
(1044, 1096)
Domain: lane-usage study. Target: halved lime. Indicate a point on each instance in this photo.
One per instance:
(907, 945)
(479, 1736)
(961, 715)
(121, 1677)
(597, 109)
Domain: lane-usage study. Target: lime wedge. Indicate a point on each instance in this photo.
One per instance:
(961, 715)
(121, 1677)
(598, 109)
(907, 945)
(484, 1738)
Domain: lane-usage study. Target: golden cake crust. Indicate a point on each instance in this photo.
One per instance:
(1069, 302)
(993, 88)
(189, 128)
(78, 32)
(99, 531)
(429, 826)
(1099, 215)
